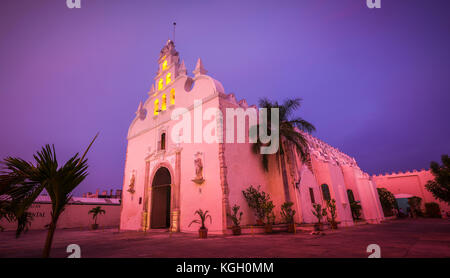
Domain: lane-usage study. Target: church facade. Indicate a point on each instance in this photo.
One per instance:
(167, 179)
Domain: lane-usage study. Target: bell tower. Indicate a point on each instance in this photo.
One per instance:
(169, 67)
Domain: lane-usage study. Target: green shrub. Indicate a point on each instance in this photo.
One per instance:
(259, 201)
(432, 210)
(387, 200)
(287, 213)
(268, 210)
(319, 212)
(236, 216)
(415, 204)
(331, 206)
(355, 206)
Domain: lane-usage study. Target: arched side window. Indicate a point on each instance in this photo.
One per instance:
(156, 107)
(311, 195)
(163, 141)
(163, 102)
(160, 84)
(326, 192)
(164, 65)
(168, 78)
(351, 197)
(172, 96)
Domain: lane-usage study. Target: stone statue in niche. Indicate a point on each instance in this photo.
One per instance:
(198, 163)
(132, 182)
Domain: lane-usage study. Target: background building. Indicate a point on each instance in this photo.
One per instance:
(104, 194)
(75, 215)
(409, 184)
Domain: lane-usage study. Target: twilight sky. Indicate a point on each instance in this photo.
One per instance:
(375, 83)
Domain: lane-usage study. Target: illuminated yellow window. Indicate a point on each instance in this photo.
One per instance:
(164, 67)
(168, 78)
(156, 108)
(172, 96)
(163, 102)
(160, 84)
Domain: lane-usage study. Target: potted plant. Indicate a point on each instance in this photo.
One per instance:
(256, 199)
(95, 212)
(287, 213)
(202, 231)
(236, 218)
(331, 206)
(319, 212)
(270, 216)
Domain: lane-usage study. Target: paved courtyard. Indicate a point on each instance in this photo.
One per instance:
(397, 238)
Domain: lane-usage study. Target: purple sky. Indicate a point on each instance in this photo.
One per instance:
(375, 83)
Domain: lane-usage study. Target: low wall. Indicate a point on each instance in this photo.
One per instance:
(74, 216)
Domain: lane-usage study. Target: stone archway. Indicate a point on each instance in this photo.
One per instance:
(161, 199)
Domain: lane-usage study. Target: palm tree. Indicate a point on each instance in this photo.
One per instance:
(95, 212)
(289, 135)
(23, 181)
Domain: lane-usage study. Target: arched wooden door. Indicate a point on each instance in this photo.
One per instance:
(160, 213)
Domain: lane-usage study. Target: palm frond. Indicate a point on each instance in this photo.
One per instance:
(303, 124)
(288, 107)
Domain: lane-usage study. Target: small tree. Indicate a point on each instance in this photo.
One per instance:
(387, 200)
(96, 212)
(268, 211)
(415, 204)
(235, 216)
(287, 213)
(440, 186)
(432, 210)
(256, 200)
(355, 206)
(331, 206)
(319, 212)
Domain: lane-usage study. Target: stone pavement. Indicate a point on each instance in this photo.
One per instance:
(397, 238)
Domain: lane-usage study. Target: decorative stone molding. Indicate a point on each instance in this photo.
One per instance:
(132, 183)
(141, 112)
(224, 183)
(199, 68)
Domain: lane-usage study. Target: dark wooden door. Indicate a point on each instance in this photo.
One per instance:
(160, 212)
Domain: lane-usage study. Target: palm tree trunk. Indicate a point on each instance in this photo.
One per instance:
(284, 176)
(49, 240)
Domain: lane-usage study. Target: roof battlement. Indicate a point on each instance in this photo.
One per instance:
(231, 97)
(326, 152)
(401, 173)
